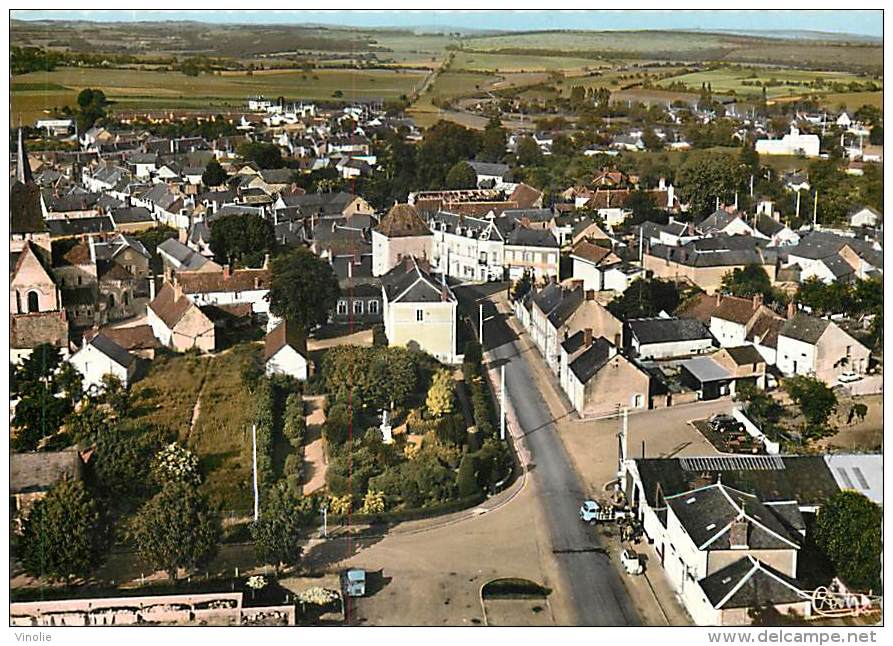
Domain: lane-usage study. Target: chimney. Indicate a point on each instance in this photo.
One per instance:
(718, 298)
(266, 264)
(738, 534)
(792, 309)
(183, 235)
(226, 273)
(151, 288)
(178, 290)
(587, 337)
(590, 294)
(757, 300)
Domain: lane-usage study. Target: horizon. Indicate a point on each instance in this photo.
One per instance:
(861, 23)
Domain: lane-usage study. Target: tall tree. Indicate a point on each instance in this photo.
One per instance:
(705, 177)
(277, 533)
(816, 401)
(493, 142)
(645, 298)
(242, 239)
(748, 281)
(440, 395)
(175, 529)
(303, 288)
(528, 152)
(214, 174)
(61, 535)
(263, 154)
(461, 175)
(443, 145)
(848, 530)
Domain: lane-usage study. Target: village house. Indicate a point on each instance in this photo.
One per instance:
(420, 312)
(830, 257)
(598, 379)
(818, 347)
(590, 262)
(285, 352)
(101, 356)
(791, 144)
(227, 287)
(667, 338)
(178, 323)
(865, 216)
(176, 256)
(401, 232)
(531, 251)
(469, 248)
(33, 474)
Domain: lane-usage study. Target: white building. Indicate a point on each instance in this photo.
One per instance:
(793, 144)
(285, 352)
(101, 356)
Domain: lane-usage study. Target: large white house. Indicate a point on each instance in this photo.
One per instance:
(793, 144)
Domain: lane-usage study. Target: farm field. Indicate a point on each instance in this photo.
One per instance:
(791, 81)
(135, 88)
(853, 100)
(446, 85)
(520, 63)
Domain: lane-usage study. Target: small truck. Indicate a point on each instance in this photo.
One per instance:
(592, 512)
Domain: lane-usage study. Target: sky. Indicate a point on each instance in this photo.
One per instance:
(866, 23)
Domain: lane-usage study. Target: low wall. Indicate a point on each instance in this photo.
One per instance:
(222, 609)
(772, 448)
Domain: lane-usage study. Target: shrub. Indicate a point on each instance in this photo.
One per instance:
(466, 478)
(294, 424)
(339, 421)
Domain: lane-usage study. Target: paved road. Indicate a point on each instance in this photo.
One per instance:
(596, 590)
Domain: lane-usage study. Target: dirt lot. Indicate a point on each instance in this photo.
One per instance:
(865, 435)
(434, 578)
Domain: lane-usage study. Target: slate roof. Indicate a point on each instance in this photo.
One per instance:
(403, 220)
(705, 369)
(571, 299)
(768, 226)
(487, 168)
(717, 221)
(667, 330)
(410, 282)
(804, 328)
(282, 335)
(750, 583)
(80, 226)
(189, 259)
(818, 245)
(591, 360)
(548, 297)
(524, 237)
(136, 337)
(708, 513)
(39, 471)
(112, 350)
(131, 215)
(804, 478)
(718, 251)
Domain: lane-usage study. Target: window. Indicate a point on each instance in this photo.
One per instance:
(420, 315)
(342, 307)
(358, 307)
(33, 302)
(373, 307)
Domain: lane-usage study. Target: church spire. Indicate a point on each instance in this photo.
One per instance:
(23, 167)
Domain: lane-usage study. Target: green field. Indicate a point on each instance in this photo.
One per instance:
(742, 81)
(475, 61)
(447, 85)
(853, 100)
(131, 89)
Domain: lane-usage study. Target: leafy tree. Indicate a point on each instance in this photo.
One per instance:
(338, 424)
(303, 288)
(61, 535)
(706, 176)
(493, 142)
(277, 533)
(241, 239)
(848, 530)
(528, 152)
(122, 461)
(444, 144)
(643, 209)
(372, 377)
(177, 528)
(493, 462)
(747, 281)
(214, 174)
(833, 298)
(461, 175)
(645, 298)
(816, 401)
(466, 477)
(47, 390)
(263, 154)
(92, 104)
(440, 395)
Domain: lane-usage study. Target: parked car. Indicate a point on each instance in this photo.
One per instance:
(631, 562)
(354, 582)
(720, 420)
(848, 377)
(591, 512)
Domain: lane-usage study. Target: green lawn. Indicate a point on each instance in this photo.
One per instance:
(792, 82)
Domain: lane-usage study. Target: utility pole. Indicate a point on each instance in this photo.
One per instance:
(502, 403)
(798, 205)
(481, 325)
(815, 210)
(254, 463)
(622, 443)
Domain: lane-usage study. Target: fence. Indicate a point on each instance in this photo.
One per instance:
(772, 448)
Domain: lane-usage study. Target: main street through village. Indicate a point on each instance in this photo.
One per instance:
(594, 587)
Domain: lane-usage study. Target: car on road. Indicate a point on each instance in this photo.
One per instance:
(591, 512)
(848, 377)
